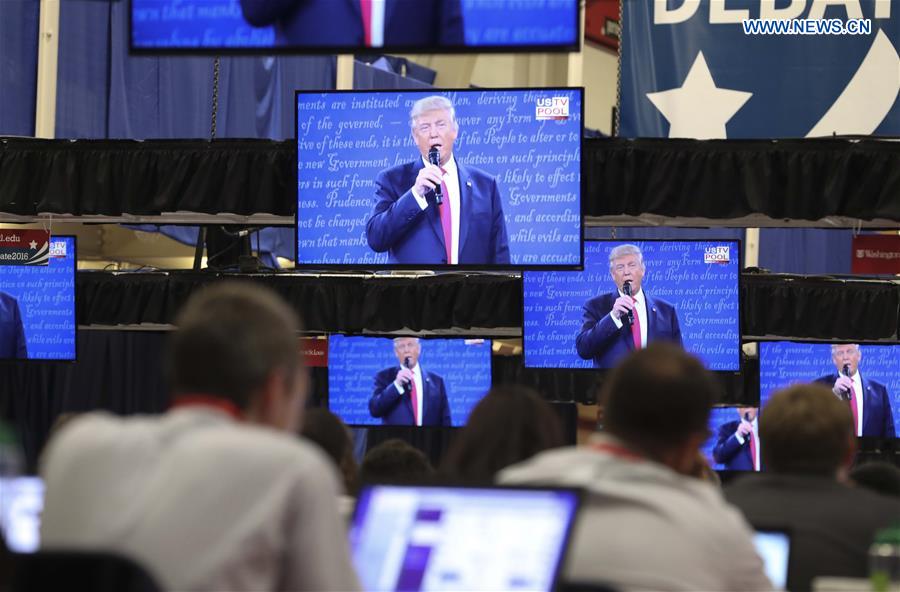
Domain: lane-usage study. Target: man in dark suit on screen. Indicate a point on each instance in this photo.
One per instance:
(737, 443)
(868, 399)
(409, 395)
(617, 323)
(468, 226)
(359, 23)
(12, 331)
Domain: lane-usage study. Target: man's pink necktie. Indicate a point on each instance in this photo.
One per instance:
(853, 409)
(414, 399)
(366, 8)
(753, 451)
(636, 327)
(446, 218)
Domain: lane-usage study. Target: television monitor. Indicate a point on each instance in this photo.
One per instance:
(454, 374)
(457, 538)
(729, 446)
(352, 26)
(774, 547)
(38, 302)
(877, 367)
(21, 503)
(690, 293)
(512, 162)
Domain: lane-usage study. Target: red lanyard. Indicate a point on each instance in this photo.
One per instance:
(211, 401)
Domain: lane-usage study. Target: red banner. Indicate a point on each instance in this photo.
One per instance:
(24, 247)
(315, 352)
(876, 253)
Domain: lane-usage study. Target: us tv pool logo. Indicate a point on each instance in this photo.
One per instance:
(717, 254)
(552, 109)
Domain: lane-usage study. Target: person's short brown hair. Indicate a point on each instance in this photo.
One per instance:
(230, 337)
(805, 429)
(510, 424)
(658, 397)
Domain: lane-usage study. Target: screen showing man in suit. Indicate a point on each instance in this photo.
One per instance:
(12, 331)
(616, 323)
(737, 442)
(345, 26)
(359, 23)
(868, 399)
(437, 210)
(483, 178)
(407, 394)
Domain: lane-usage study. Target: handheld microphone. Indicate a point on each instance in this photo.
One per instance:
(846, 372)
(626, 289)
(747, 416)
(407, 362)
(434, 157)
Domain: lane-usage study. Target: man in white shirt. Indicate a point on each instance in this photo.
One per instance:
(407, 395)
(437, 214)
(620, 322)
(869, 402)
(646, 524)
(216, 494)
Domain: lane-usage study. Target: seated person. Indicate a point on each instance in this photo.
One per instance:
(216, 494)
(809, 445)
(394, 462)
(647, 522)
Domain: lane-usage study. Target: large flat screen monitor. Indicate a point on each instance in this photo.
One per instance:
(352, 26)
(456, 538)
(506, 193)
(37, 306)
(371, 380)
(874, 371)
(687, 293)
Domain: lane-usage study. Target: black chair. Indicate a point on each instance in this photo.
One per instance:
(76, 571)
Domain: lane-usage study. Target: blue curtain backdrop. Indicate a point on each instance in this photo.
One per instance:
(18, 66)
(103, 92)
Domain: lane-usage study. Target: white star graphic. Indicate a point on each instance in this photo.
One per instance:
(698, 109)
(33, 245)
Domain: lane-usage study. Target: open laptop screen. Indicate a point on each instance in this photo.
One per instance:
(774, 547)
(21, 502)
(439, 538)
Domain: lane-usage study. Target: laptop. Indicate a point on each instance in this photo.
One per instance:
(774, 547)
(21, 503)
(415, 538)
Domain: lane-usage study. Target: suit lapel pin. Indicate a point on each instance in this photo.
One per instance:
(469, 184)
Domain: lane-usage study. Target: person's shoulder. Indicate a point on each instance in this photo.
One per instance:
(601, 301)
(399, 170)
(265, 446)
(434, 376)
(876, 384)
(559, 466)
(660, 302)
(830, 377)
(729, 426)
(91, 435)
(387, 372)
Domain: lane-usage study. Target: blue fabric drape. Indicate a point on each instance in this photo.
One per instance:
(806, 250)
(105, 93)
(18, 66)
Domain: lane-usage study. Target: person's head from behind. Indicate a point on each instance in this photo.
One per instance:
(509, 425)
(326, 430)
(394, 462)
(238, 341)
(878, 476)
(658, 401)
(805, 429)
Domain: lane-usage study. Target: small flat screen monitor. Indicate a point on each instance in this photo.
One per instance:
(452, 538)
(367, 384)
(687, 291)
(37, 306)
(352, 26)
(874, 371)
(774, 548)
(509, 173)
(21, 503)
(733, 444)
